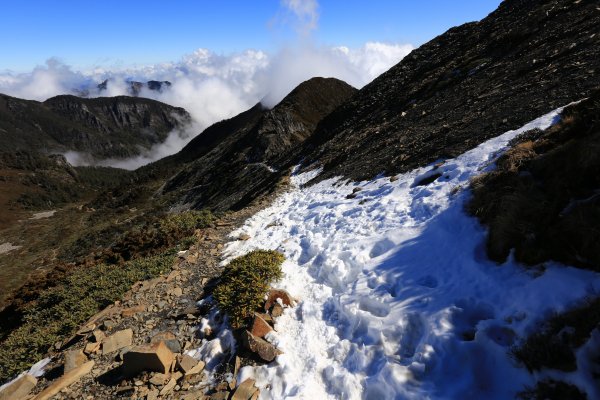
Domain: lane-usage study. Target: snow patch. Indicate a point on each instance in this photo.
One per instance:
(42, 215)
(7, 246)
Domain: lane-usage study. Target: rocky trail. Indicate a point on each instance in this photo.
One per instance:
(135, 347)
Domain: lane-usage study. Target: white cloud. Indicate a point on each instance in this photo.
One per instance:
(211, 86)
(306, 12)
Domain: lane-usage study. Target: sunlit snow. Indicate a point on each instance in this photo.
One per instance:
(397, 297)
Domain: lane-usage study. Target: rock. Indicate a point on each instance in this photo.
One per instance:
(159, 379)
(173, 275)
(168, 387)
(67, 379)
(92, 348)
(236, 365)
(19, 389)
(152, 395)
(261, 347)
(244, 237)
(277, 310)
(108, 325)
(177, 375)
(170, 340)
(131, 311)
(98, 336)
(157, 358)
(260, 327)
(196, 369)
(219, 396)
(275, 294)
(177, 291)
(125, 391)
(74, 359)
(245, 391)
(185, 363)
(117, 341)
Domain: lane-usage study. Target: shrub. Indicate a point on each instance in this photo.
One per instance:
(245, 282)
(554, 345)
(552, 390)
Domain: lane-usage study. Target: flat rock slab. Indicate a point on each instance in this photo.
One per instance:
(246, 391)
(67, 379)
(117, 341)
(19, 389)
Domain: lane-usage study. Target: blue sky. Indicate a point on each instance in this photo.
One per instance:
(85, 33)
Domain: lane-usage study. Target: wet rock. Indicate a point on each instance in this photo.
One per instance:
(259, 346)
(157, 358)
(19, 389)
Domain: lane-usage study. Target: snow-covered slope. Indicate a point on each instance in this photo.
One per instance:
(397, 296)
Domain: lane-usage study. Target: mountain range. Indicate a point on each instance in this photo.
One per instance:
(452, 96)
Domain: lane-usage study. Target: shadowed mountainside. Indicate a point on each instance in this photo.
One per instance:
(469, 84)
(236, 160)
(105, 127)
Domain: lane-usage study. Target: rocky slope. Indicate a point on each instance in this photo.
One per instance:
(235, 161)
(465, 86)
(111, 127)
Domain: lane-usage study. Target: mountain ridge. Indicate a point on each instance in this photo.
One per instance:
(104, 127)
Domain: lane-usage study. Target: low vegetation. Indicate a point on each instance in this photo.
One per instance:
(543, 200)
(552, 390)
(554, 345)
(245, 282)
(60, 310)
(55, 307)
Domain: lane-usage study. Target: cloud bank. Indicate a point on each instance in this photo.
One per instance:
(212, 86)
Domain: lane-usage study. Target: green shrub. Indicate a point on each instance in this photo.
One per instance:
(245, 282)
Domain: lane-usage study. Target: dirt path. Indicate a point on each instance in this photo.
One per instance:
(163, 307)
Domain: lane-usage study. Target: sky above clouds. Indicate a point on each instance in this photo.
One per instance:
(88, 33)
(222, 57)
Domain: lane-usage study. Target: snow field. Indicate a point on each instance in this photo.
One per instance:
(397, 297)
